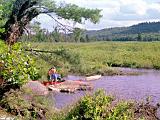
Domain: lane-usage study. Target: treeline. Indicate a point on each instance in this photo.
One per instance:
(60, 37)
(36, 34)
(45, 36)
(130, 37)
(140, 32)
(148, 31)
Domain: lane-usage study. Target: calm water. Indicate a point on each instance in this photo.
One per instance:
(123, 87)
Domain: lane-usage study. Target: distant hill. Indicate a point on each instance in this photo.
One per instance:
(147, 31)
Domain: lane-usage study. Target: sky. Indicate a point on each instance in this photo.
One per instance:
(116, 13)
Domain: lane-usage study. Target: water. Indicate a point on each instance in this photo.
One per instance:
(123, 87)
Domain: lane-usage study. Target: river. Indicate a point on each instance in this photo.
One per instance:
(135, 87)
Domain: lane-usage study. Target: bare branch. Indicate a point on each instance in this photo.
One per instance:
(69, 28)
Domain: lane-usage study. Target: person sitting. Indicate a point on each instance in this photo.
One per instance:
(53, 75)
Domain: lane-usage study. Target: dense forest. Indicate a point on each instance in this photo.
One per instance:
(148, 31)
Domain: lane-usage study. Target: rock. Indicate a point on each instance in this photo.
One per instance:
(37, 88)
(71, 86)
(5, 116)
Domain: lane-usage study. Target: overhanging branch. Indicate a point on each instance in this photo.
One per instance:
(69, 28)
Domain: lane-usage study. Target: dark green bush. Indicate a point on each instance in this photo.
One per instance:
(101, 107)
(16, 67)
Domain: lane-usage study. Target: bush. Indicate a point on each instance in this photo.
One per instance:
(24, 105)
(101, 107)
(16, 67)
(68, 55)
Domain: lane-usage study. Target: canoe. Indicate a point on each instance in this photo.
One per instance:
(94, 77)
(46, 83)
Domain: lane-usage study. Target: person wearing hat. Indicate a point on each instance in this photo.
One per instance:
(52, 75)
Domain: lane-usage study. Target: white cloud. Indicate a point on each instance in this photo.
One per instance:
(134, 8)
(155, 6)
(119, 12)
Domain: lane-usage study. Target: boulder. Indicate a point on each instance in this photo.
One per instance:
(37, 88)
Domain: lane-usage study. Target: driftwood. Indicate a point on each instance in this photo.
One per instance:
(41, 51)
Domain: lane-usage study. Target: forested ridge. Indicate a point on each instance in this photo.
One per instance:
(148, 31)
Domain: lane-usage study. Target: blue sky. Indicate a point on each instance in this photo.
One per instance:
(116, 13)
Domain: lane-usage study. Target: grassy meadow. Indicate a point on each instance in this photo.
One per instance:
(99, 57)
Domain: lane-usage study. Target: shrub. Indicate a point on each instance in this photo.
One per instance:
(16, 67)
(101, 107)
(16, 103)
(68, 55)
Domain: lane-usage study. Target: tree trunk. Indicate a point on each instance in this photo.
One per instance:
(22, 14)
(13, 34)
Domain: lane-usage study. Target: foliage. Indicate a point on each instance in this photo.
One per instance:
(16, 66)
(139, 38)
(16, 14)
(16, 103)
(140, 32)
(3, 47)
(68, 60)
(68, 55)
(2, 15)
(105, 55)
(63, 59)
(100, 107)
(77, 33)
(23, 104)
(75, 13)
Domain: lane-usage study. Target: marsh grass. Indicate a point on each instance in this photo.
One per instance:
(99, 57)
